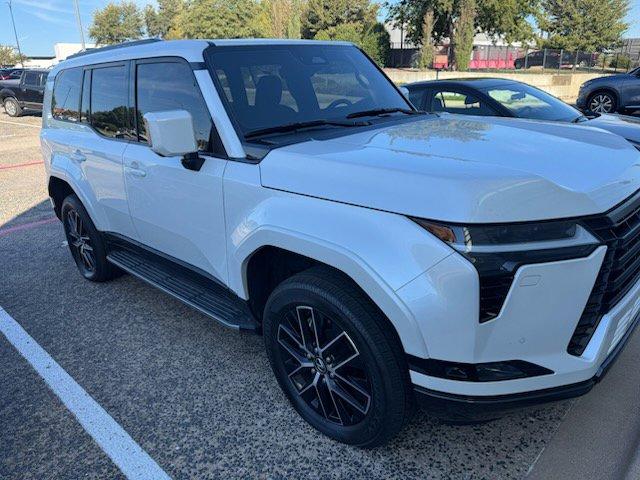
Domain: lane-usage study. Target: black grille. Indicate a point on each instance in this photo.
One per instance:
(620, 230)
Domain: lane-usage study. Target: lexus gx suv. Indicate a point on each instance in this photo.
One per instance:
(388, 257)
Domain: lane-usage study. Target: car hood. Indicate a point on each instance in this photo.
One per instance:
(623, 125)
(464, 169)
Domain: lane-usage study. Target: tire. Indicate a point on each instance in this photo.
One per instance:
(12, 107)
(87, 246)
(368, 398)
(602, 102)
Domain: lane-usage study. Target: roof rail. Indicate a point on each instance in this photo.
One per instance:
(114, 47)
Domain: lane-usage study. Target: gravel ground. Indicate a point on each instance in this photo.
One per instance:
(200, 399)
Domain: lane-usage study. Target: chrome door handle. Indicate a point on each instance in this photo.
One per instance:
(78, 156)
(136, 172)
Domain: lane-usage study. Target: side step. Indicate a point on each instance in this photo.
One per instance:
(192, 288)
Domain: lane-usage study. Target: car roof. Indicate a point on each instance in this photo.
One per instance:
(190, 50)
(481, 82)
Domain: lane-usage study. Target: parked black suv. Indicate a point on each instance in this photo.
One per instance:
(26, 94)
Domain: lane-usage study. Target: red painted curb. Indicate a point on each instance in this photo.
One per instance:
(27, 226)
(6, 167)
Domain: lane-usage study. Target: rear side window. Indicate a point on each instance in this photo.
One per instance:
(109, 102)
(163, 86)
(65, 103)
(461, 103)
(416, 96)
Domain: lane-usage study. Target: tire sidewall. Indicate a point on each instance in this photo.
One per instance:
(300, 294)
(102, 267)
(15, 104)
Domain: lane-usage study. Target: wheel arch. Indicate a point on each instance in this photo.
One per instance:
(60, 187)
(298, 254)
(269, 266)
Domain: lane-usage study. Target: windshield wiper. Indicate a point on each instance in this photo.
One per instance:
(381, 111)
(292, 127)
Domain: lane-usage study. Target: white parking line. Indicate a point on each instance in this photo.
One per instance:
(131, 459)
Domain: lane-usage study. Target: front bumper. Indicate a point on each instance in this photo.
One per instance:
(466, 408)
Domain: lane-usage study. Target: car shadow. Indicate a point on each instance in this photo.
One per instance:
(192, 390)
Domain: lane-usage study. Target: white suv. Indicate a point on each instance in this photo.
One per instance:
(386, 255)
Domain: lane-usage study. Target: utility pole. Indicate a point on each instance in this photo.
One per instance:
(13, 22)
(79, 24)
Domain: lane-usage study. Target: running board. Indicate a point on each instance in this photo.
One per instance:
(192, 288)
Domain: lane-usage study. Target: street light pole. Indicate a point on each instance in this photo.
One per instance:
(79, 24)
(13, 22)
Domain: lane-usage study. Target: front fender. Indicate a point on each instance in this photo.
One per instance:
(380, 251)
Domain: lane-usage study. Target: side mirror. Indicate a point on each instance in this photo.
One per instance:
(171, 134)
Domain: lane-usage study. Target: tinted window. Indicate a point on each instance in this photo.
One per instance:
(172, 86)
(525, 101)
(271, 85)
(65, 103)
(460, 103)
(31, 78)
(416, 96)
(109, 102)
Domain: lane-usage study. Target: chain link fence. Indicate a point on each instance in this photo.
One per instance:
(492, 58)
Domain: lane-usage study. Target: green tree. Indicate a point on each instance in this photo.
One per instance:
(222, 19)
(161, 21)
(588, 25)
(429, 21)
(373, 39)
(324, 14)
(116, 23)
(284, 17)
(463, 34)
(9, 55)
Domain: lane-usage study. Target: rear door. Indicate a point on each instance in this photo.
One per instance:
(176, 211)
(90, 126)
(31, 89)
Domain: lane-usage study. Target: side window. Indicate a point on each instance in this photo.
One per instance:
(459, 102)
(65, 103)
(31, 78)
(43, 79)
(109, 102)
(416, 96)
(163, 86)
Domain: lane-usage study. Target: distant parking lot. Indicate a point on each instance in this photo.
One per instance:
(201, 400)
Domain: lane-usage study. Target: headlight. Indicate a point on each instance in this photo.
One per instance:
(497, 251)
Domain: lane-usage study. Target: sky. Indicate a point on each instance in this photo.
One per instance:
(41, 23)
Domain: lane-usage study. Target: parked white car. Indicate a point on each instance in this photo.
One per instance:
(387, 255)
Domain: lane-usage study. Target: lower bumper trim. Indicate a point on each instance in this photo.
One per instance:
(465, 408)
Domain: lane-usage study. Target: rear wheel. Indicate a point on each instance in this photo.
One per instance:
(12, 107)
(335, 359)
(85, 242)
(602, 102)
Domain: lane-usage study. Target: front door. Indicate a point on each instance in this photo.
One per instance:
(177, 211)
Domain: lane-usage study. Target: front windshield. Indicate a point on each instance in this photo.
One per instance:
(268, 86)
(525, 101)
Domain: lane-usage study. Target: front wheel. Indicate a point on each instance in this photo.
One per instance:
(12, 107)
(602, 102)
(336, 359)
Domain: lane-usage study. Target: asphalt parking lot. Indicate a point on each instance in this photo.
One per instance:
(201, 400)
